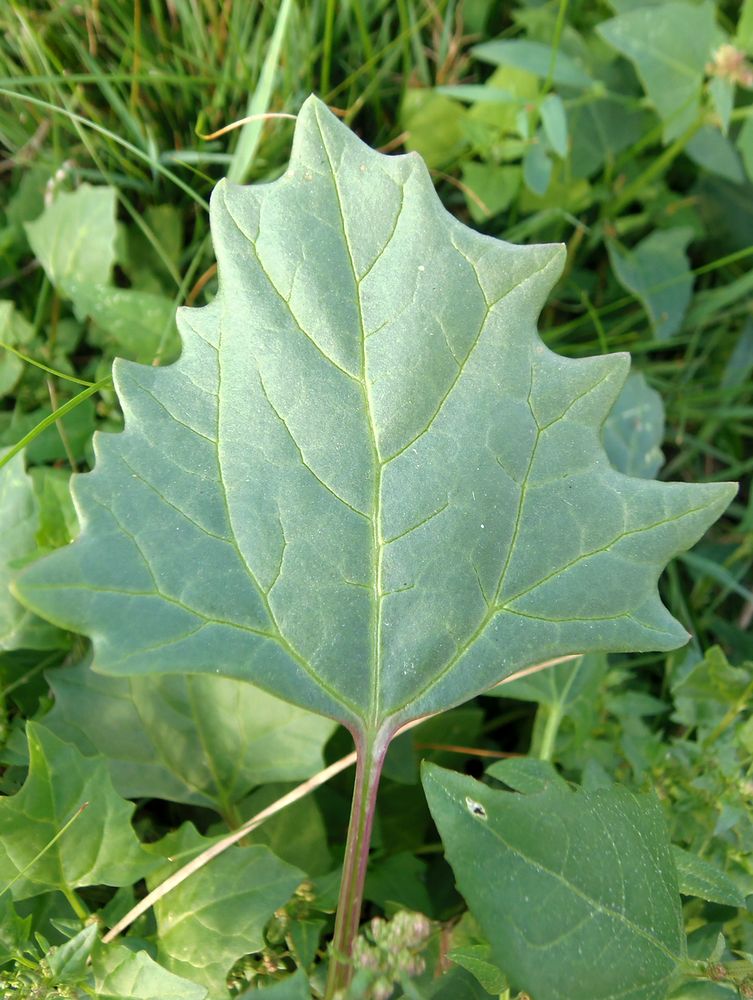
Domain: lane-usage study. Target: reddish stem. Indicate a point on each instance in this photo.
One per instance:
(370, 758)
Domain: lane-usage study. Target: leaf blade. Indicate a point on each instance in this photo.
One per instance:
(361, 474)
(599, 861)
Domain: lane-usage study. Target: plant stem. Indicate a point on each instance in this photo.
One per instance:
(370, 758)
(551, 728)
(76, 905)
(656, 167)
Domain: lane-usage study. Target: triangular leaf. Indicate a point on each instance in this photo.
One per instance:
(366, 485)
(100, 846)
(669, 44)
(575, 891)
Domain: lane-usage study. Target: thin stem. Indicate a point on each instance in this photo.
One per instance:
(75, 903)
(555, 46)
(551, 728)
(369, 760)
(655, 168)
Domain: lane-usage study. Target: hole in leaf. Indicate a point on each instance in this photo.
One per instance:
(475, 808)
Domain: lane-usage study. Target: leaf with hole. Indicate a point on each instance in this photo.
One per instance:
(575, 891)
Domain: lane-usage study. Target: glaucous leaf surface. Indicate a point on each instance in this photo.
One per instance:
(19, 628)
(217, 915)
(148, 729)
(366, 485)
(575, 891)
(100, 847)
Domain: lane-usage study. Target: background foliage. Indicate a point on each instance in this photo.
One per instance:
(624, 130)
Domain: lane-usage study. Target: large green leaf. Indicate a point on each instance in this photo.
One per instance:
(100, 846)
(148, 729)
(575, 891)
(366, 485)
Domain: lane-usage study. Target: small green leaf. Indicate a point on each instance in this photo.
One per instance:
(475, 958)
(305, 936)
(494, 188)
(599, 130)
(713, 151)
(533, 57)
(657, 272)
(745, 145)
(526, 774)
(434, 125)
(669, 45)
(58, 523)
(15, 331)
(148, 730)
(572, 889)
(67, 963)
(698, 877)
(537, 168)
(132, 323)
(99, 847)
(74, 238)
(744, 36)
(634, 430)
(15, 931)
(554, 121)
(217, 915)
(122, 974)
(723, 98)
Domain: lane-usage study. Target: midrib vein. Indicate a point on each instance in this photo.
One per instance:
(377, 541)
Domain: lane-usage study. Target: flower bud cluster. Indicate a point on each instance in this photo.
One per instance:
(390, 949)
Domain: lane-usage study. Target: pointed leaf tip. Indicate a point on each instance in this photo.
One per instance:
(385, 492)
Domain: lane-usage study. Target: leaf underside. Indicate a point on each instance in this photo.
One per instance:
(366, 485)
